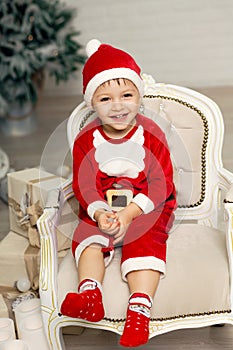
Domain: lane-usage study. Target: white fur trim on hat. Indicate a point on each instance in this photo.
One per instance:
(110, 74)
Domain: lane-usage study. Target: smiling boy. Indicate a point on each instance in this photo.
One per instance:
(123, 180)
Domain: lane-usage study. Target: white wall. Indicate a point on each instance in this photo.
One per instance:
(186, 42)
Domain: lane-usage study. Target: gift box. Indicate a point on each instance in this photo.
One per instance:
(27, 194)
(18, 260)
(3, 308)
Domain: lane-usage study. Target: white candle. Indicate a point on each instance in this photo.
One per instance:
(7, 324)
(32, 332)
(5, 336)
(25, 309)
(16, 344)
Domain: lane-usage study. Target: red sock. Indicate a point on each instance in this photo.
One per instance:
(136, 330)
(87, 304)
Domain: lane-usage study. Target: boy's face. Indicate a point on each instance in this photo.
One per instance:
(116, 103)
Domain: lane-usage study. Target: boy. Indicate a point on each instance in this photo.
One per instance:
(123, 180)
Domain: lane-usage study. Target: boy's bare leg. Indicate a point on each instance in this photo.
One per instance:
(87, 303)
(91, 264)
(143, 281)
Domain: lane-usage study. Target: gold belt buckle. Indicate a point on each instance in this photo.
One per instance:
(119, 199)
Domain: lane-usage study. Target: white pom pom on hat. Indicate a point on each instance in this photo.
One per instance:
(92, 46)
(106, 62)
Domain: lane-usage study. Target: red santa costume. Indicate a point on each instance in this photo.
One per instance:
(140, 162)
(110, 173)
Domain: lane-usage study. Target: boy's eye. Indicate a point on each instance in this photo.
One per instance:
(128, 94)
(104, 99)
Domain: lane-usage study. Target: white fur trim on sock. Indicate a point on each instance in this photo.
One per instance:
(142, 263)
(141, 300)
(144, 310)
(90, 284)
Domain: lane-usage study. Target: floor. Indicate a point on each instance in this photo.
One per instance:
(30, 151)
(209, 338)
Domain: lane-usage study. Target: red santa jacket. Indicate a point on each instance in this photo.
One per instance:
(140, 162)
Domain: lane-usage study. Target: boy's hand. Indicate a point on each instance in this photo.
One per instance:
(124, 222)
(107, 222)
(125, 217)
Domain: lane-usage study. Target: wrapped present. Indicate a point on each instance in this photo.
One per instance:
(27, 194)
(3, 307)
(18, 260)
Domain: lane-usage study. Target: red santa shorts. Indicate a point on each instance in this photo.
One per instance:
(144, 245)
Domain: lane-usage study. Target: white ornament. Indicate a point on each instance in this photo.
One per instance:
(92, 46)
(23, 284)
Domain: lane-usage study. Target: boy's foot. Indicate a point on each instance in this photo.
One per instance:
(87, 304)
(136, 330)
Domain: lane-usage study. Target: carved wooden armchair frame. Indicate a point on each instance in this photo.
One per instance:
(197, 290)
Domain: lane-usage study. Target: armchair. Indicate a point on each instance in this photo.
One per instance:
(197, 290)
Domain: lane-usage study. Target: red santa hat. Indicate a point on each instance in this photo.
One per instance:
(105, 63)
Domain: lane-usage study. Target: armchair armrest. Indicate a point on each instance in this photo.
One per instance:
(228, 206)
(226, 183)
(225, 179)
(47, 225)
(229, 195)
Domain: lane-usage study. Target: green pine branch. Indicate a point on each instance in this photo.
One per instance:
(35, 35)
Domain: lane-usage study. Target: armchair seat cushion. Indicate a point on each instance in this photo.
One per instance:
(197, 279)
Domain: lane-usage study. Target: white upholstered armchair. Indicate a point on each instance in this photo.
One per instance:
(197, 290)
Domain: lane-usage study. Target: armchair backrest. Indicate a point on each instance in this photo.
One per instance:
(194, 129)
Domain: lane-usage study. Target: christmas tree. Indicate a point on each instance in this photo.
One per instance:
(35, 36)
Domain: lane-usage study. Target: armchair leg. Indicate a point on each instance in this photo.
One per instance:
(53, 331)
(56, 337)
